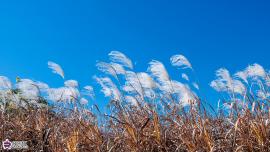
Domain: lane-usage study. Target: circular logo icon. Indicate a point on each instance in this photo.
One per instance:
(7, 144)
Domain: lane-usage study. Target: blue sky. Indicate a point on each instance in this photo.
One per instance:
(75, 34)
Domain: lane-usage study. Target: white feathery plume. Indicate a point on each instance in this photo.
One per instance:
(65, 94)
(110, 68)
(118, 57)
(14, 98)
(56, 68)
(132, 83)
(41, 85)
(71, 83)
(195, 85)
(118, 68)
(224, 75)
(28, 88)
(89, 91)
(140, 83)
(108, 88)
(180, 61)
(255, 70)
(184, 92)
(106, 68)
(238, 87)
(224, 83)
(219, 85)
(146, 80)
(5, 83)
(56, 94)
(83, 101)
(185, 77)
(159, 71)
(242, 75)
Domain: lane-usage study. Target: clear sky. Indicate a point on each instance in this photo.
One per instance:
(75, 34)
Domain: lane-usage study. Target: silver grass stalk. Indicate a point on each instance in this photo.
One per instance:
(195, 85)
(109, 89)
(71, 83)
(255, 71)
(225, 83)
(89, 91)
(5, 83)
(185, 77)
(118, 57)
(180, 61)
(185, 94)
(28, 88)
(56, 69)
(63, 94)
(83, 101)
(132, 84)
(159, 72)
(242, 75)
(113, 69)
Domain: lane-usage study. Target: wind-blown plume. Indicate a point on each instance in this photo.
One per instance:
(255, 71)
(159, 71)
(242, 75)
(180, 61)
(108, 88)
(30, 89)
(140, 83)
(146, 80)
(219, 85)
(185, 94)
(225, 83)
(195, 85)
(185, 77)
(56, 69)
(65, 94)
(71, 83)
(132, 84)
(89, 91)
(5, 83)
(238, 87)
(110, 68)
(83, 101)
(118, 57)
(224, 75)
(41, 85)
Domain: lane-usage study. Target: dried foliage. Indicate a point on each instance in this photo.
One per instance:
(146, 112)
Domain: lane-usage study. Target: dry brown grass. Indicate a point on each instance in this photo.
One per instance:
(137, 130)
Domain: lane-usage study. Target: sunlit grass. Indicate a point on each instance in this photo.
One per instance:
(147, 111)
